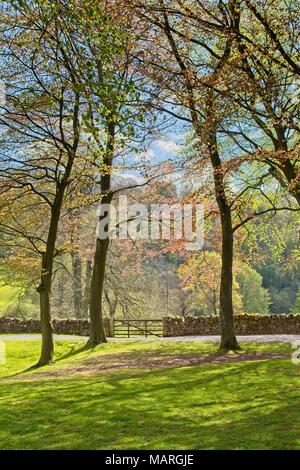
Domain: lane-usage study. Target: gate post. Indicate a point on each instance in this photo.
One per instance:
(165, 327)
(112, 327)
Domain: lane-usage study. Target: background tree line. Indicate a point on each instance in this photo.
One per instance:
(89, 88)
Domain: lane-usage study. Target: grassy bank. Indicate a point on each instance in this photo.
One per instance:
(149, 395)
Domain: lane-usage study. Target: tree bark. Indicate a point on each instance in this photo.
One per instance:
(44, 288)
(77, 285)
(112, 306)
(228, 338)
(87, 286)
(97, 333)
(208, 131)
(47, 351)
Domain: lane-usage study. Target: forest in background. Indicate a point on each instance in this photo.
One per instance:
(89, 90)
(152, 280)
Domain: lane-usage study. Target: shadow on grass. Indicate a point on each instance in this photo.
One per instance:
(240, 406)
(74, 351)
(117, 362)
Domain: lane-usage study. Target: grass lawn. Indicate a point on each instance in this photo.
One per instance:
(146, 395)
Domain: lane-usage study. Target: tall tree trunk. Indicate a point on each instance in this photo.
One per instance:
(87, 286)
(44, 288)
(215, 303)
(77, 285)
(60, 295)
(97, 333)
(112, 306)
(47, 351)
(228, 338)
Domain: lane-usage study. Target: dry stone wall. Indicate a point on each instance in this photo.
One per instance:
(246, 324)
(72, 326)
(172, 326)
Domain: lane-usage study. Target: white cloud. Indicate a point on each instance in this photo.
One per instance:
(168, 146)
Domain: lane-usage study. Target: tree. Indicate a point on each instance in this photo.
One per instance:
(201, 39)
(255, 298)
(75, 78)
(270, 245)
(195, 91)
(101, 39)
(265, 78)
(42, 116)
(200, 277)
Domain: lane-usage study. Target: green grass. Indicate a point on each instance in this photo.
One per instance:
(245, 405)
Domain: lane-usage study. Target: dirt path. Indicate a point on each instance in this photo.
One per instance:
(151, 361)
(211, 339)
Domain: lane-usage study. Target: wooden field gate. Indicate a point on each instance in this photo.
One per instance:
(135, 328)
